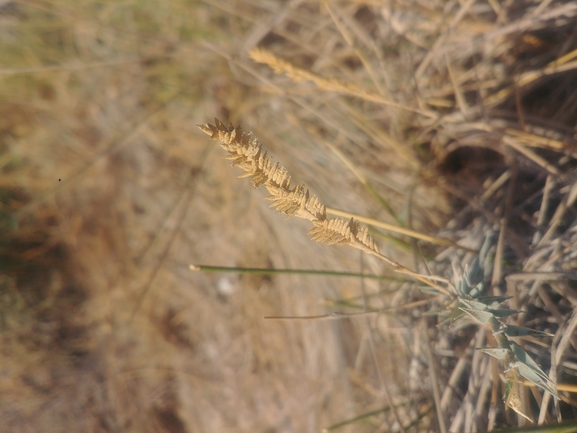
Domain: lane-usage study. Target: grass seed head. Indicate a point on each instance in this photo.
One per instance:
(246, 153)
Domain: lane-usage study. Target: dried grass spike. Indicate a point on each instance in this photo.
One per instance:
(334, 231)
(365, 238)
(209, 129)
(316, 208)
(245, 152)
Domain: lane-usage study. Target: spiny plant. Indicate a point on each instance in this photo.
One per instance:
(466, 294)
(471, 301)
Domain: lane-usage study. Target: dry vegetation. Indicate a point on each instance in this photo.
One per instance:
(438, 124)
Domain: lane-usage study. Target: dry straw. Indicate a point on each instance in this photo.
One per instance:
(332, 84)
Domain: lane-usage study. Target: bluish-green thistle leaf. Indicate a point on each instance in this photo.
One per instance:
(473, 305)
(493, 301)
(454, 316)
(521, 331)
(462, 289)
(530, 370)
(476, 291)
(483, 317)
(503, 312)
(497, 352)
(523, 356)
(475, 275)
(535, 378)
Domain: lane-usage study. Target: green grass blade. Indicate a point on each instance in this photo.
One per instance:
(265, 271)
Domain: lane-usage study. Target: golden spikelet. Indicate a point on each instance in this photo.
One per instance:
(246, 152)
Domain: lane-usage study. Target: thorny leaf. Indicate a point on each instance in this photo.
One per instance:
(474, 305)
(493, 301)
(497, 352)
(504, 312)
(530, 370)
(480, 316)
(521, 331)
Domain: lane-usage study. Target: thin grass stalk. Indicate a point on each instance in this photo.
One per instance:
(264, 271)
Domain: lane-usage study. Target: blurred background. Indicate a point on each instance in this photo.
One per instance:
(109, 192)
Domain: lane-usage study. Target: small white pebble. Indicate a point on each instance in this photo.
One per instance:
(225, 287)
